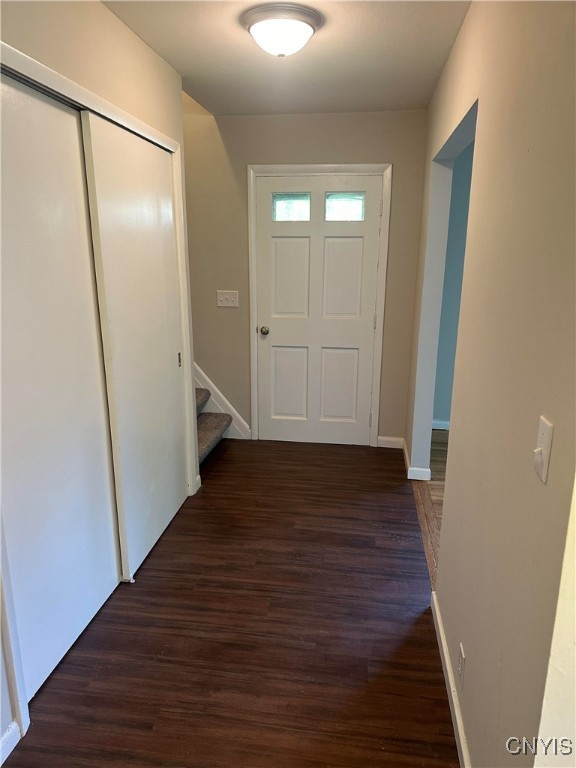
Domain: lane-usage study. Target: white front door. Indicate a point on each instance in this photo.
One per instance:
(317, 246)
(131, 203)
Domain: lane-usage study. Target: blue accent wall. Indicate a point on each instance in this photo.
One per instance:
(456, 247)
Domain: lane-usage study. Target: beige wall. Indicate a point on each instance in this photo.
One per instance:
(503, 531)
(218, 151)
(87, 43)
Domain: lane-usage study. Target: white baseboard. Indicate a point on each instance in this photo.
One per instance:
(415, 473)
(390, 442)
(10, 738)
(453, 700)
(239, 429)
(437, 424)
(419, 473)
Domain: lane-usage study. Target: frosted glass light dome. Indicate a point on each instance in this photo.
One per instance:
(281, 37)
(281, 29)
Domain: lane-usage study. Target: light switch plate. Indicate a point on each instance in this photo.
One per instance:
(542, 450)
(227, 298)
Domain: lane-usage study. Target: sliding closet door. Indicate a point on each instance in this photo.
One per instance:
(57, 495)
(131, 202)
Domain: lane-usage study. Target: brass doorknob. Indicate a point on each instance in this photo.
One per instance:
(264, 330)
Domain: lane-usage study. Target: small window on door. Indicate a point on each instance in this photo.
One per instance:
(291, 206)
(345, 206)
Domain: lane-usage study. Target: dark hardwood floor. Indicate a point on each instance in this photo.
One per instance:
(282, 621)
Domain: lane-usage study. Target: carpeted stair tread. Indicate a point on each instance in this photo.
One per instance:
(211, 428)
(202, 397)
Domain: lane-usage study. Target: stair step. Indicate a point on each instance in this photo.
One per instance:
(211, 428)
(202, 397)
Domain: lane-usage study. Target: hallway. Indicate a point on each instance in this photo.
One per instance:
(282, 621)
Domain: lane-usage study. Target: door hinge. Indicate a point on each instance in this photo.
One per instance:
(375, 320)
(370, 421)
(381, 207)
(179, 360)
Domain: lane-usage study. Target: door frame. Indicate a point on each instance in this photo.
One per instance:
(10, 648)
(384, 170)
(430, 308)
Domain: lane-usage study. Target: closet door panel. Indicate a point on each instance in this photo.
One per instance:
(57, 495)
(131, 201)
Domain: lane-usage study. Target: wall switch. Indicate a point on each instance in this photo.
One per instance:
(227, 298)
(461, 664)
(542, 450)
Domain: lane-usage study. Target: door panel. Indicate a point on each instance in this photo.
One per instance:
(343, 258)
(317, 283)
(289, 382)
(290, 273)
(57, 496)
(131, 202)
(339, 388)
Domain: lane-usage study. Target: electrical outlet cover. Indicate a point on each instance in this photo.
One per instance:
(227, 298)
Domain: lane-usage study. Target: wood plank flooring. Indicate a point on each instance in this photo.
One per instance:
(430, 500)
(282, 621)
(438, 456)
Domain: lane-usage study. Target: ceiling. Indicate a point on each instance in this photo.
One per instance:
(367, 57)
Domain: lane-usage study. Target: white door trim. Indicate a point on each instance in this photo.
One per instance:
(430, 309)
(383, 170)
(38, 75)
(11, 647)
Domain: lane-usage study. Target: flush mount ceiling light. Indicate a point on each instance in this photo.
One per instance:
(281, 29)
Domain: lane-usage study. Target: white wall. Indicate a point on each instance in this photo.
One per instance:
(503, 531)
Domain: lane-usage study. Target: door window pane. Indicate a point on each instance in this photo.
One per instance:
(345, 206)
(291, 206)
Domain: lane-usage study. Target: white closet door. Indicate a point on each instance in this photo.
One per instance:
(131, 202)
(57, 496)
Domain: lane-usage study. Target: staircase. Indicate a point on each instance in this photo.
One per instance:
(211, 426)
